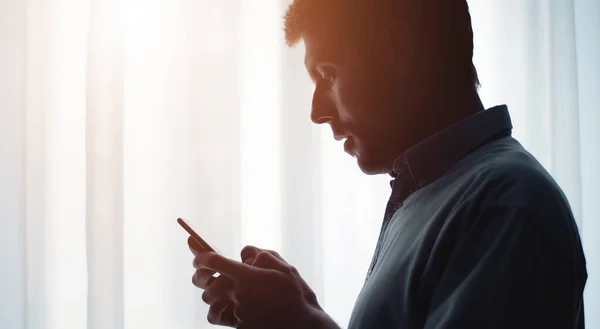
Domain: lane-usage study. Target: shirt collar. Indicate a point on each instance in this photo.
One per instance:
(429, 159)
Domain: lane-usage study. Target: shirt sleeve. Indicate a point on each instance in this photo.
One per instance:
(505, 273)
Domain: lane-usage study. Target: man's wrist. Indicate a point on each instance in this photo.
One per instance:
(318, 319)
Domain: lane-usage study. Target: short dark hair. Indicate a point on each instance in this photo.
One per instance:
(445, 26)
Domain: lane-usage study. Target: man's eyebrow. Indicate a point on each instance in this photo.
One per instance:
(313, 74)
(310, 65)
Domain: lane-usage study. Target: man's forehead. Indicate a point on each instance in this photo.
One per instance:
(320, 48)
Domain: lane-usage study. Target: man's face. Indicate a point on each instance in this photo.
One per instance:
(362, 98)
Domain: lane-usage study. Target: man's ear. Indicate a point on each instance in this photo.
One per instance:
(401, 45)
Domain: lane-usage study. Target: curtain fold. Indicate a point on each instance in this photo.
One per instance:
(12, 164)
(104, 218)
(587, 35)
(54, 164)
(563, 101)
(117, 117)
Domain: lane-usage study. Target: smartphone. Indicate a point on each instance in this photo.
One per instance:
(186, 226)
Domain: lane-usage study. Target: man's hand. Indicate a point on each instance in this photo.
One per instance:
(264, 291)
(221, 307)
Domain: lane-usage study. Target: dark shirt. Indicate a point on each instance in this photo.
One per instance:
(476, 234)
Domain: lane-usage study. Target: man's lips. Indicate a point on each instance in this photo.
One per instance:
(339, 135)
(349, 145)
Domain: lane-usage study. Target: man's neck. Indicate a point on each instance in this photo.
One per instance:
(444, 112)
(454, 108)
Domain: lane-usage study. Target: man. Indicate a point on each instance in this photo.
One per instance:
(476, 233)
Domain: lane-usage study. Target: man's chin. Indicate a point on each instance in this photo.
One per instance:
(370, 163)
(369, 166)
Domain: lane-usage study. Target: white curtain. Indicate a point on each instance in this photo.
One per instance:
(117, 117)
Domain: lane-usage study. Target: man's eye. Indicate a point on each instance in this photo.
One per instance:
(326, 81)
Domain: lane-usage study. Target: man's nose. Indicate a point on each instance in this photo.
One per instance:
(322, 111)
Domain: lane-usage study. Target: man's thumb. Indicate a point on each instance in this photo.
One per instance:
(249, 253)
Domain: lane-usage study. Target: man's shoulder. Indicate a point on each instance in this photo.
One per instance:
(502, 172)
(514, 177)
(509, 177)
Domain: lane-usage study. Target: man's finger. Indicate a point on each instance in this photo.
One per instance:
(202, 278)
(250, 252)
(248, 261)
(221, 313)
(227, 317)
(268, 260)
(276, 254)
(231, 268)
(220, 288)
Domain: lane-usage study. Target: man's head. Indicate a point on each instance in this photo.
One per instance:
(383, 69)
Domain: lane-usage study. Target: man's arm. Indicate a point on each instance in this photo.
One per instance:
(506, 272)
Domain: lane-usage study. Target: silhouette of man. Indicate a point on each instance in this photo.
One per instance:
(476, 233)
